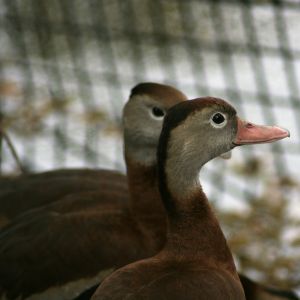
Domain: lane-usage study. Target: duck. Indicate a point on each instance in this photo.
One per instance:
(19, 194)
(59, 249)
(195, 262)
(147, 104)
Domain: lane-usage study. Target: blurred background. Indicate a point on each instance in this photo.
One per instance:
(67, 67)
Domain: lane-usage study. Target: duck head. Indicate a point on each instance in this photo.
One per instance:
(143, 117)
(199, 130)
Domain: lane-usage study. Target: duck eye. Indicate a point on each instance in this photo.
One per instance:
(218, 120)
(157, 112)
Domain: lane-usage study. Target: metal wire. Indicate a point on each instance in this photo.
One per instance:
(92, 53)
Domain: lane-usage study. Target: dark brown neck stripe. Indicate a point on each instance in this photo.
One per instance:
(178, 115)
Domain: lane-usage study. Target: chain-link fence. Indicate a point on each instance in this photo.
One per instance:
(67, 66)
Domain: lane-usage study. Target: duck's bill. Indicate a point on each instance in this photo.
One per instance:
(249, 133)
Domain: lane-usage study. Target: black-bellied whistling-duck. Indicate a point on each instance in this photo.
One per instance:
(21, 193)
(142, 118)
(81, 235)
(100, 190)
(195, 262)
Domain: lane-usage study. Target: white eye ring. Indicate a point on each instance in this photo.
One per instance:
(218, 120)
(157, 113)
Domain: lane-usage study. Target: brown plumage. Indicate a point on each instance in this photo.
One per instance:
(25, 192)
(68, 226)
(195, 262)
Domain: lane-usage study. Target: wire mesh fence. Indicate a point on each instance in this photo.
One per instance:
(67, 67)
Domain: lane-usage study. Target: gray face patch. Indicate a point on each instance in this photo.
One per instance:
(191, 145)
(142, 128)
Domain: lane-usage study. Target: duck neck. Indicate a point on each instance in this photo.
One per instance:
(145, 200)
(193, 230)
